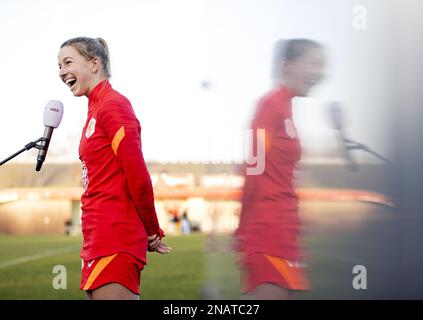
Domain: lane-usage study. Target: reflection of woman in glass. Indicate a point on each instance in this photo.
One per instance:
(267, 237)
(119, 221)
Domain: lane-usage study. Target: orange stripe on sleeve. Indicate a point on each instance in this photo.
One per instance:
(97, 270)
(120, 134)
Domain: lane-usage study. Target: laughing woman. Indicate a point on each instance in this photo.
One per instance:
(119, 221)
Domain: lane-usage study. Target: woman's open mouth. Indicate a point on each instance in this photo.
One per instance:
(70, 82)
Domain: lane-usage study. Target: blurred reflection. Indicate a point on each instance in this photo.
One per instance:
(270, 258)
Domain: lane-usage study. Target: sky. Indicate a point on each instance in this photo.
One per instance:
(163, 52)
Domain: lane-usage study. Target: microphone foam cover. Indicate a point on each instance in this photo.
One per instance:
(53, 113)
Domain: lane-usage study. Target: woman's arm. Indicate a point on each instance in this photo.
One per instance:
(124, 133)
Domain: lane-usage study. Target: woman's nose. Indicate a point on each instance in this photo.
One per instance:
(62, 72)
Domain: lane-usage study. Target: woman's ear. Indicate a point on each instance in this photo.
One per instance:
(96, 64)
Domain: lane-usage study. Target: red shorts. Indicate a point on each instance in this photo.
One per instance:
(259, 268)
(122, 268)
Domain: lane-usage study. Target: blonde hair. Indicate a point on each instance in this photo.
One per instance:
(92, 48)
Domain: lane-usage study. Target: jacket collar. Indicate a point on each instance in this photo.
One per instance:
(97, 94)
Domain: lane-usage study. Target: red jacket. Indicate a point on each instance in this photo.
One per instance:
(118, 202)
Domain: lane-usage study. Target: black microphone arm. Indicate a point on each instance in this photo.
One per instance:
(353, 145)
(336, 117)
(40, 144)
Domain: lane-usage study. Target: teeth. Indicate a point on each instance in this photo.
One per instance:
(68, 81)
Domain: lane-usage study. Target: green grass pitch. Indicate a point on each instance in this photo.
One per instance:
(27, 262)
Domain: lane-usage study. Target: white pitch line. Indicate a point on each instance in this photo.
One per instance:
(38, 256)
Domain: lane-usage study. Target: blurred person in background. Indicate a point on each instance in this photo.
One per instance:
(270, 258)
(185, 223)
(119, 221)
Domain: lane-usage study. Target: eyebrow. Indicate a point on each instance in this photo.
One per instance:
(66, 58)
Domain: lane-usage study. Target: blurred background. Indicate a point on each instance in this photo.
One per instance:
(194, 71)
